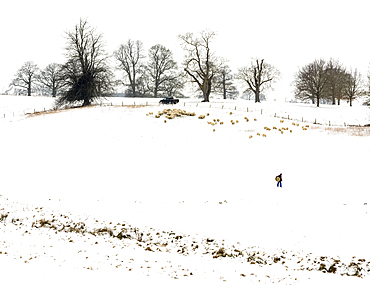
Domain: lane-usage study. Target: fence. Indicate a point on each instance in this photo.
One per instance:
(231, 106)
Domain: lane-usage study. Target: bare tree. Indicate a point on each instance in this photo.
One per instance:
(335, 80)
(200, 64)
(173, 87)
(129, 57)
(310, 81)
(353, 87)
(86, 74)
(26, 77)
(258, 77)
(51, 78)
(161, 67)
(223, 83)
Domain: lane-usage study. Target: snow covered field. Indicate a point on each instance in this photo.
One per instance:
(110, 199)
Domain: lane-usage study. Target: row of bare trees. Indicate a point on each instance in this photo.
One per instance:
(87, 75)
(31, 79)
(159, 76)
(328, 81)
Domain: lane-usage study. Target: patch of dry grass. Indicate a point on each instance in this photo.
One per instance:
(37, 113)
(358, 131)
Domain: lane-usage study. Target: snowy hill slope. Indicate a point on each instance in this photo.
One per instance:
(113, 165)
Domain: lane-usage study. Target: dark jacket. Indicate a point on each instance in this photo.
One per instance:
(281, 178)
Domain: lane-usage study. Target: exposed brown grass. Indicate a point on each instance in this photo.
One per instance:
(38, 113)
(358, 131)
(131, 106)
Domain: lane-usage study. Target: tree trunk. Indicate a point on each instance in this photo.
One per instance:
(206, 90)
(29, 89)
(317, 100)
(257, 96)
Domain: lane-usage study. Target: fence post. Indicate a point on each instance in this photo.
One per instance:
(235, 107)
(302, 119)
(122, 103)
(275, 114)
(222, 106)
(261, 111)
(288, 116)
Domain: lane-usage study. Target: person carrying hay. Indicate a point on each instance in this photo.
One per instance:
(279, 178)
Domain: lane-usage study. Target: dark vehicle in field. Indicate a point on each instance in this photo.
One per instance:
(170, 100)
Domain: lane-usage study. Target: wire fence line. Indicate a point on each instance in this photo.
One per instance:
(18, 114)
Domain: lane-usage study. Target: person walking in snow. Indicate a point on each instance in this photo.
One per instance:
(279, 178)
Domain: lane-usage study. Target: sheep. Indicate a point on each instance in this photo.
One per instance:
(250, 136)
(274, 127)
(150, 113)
(263, 135)
(282, 132)
(255, 119)
(307, 126)
(221, 122)
(231, 113)
(157, 116)
(201, 116)
(237, 121)
(293, 123)
(258, 134)
(281, 121)
(207, 114)
(213, 129)
(291, 131)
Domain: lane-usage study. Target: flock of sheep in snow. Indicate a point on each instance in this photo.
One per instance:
(172, 113)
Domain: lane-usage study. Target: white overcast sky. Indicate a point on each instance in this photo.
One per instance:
(287, 33)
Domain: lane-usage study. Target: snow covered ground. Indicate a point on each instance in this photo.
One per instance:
(110, 199)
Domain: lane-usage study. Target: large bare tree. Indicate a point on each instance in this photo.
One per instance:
(51, 78)
(26, 76)
(223, 83)
(86, 75)
(353, 86)
(258, 77)
(130, 60)
(335, 81)
(200, 63)
(310, 81)
(161, 67)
